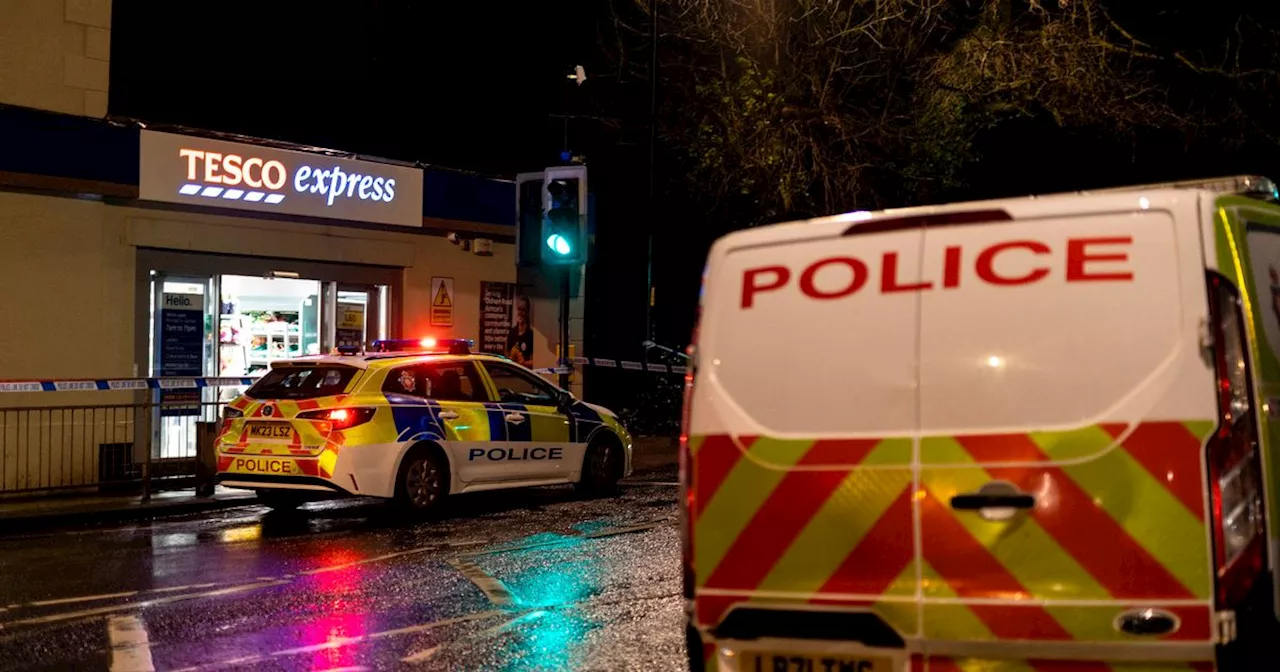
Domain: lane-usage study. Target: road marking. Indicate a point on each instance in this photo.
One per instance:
(427, 654)
(201, 586)
(346, 641)
(491, 587)
(86, 598)
(365, 561)
(106, 596)
(421, 656)
(99, 611)
(130, 649)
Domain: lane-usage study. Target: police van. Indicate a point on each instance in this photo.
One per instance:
(1033, 433)
(413, 421)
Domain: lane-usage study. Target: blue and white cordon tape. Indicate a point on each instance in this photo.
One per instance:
(117, 384)
(184, 383)
(616, 364)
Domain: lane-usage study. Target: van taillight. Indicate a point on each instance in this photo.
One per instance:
(1235, 469)
(688, 493)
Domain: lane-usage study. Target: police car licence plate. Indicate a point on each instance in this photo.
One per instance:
(270, 430)
(780, 661)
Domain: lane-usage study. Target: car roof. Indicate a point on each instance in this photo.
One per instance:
(380, 360)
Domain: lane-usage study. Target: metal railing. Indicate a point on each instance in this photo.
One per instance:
(117, 447)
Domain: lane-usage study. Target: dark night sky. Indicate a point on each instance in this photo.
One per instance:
(393, 78)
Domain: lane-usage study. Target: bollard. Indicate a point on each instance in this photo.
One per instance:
(206, 458)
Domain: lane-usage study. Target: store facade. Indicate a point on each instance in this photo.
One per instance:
(130, 252)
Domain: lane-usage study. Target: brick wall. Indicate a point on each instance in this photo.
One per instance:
(56, 55)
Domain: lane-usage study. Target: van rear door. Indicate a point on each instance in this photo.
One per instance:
(803, 415)
(977, 428)
(1064, 404)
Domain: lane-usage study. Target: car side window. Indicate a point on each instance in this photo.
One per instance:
(453, 381)
(404, 380)
(517, 387)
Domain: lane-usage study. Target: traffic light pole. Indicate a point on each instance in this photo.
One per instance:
(564, 325)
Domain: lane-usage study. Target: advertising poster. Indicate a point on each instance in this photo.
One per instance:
(506, 322)
(496, 299)
(350, 329)
(181, 349)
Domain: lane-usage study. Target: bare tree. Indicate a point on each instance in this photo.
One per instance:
(785, 108)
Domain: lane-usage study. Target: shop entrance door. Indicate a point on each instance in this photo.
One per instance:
(182, 318)
(359, 314)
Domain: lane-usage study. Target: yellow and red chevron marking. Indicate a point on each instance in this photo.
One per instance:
(1119, 520)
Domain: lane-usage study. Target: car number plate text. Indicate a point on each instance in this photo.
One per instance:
(810, 662)
(262, 465)
(270, 430)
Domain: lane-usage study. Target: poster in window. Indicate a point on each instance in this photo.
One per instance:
(506, 322)
(350, 329)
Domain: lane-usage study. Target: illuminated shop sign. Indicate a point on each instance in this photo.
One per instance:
(198, 171)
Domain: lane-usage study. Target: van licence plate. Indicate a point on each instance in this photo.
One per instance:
(270, 430)
(780, 661)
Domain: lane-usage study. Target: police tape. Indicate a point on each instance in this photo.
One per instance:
(121, 384)
(650, 367)
(169, 383)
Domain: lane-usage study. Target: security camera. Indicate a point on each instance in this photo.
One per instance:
(453, 238)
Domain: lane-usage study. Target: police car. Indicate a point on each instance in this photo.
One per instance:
(413, 421)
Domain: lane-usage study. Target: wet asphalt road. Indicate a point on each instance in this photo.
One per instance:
(524, 580)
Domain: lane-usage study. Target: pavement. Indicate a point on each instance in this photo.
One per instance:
(50, 511)
(535, 579)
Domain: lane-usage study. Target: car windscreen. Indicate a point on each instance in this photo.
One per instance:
(302, 382)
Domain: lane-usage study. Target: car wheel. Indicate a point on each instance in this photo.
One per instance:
(422, 482)
(601, 468)
(280, 500)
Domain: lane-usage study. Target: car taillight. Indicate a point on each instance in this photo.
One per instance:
(688, 492)
(1235, 468)
(340, 418)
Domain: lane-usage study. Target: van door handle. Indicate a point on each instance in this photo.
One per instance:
(974, 501)
(515, 418)
(447, 415)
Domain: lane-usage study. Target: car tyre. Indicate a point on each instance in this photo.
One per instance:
(280, 500)
(601, 468)
(422, 481)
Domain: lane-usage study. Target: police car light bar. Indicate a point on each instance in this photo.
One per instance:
(452, 346)
(1255, 186)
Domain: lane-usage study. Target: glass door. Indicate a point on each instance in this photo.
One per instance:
(183, 311)
(359, 314)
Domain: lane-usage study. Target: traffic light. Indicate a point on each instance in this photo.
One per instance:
(563, 236)
(551, 217)
(529, 219)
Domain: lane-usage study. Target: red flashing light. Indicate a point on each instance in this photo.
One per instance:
(428, 342)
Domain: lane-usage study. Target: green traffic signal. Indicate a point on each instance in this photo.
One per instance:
(559, 244)
(563, 233)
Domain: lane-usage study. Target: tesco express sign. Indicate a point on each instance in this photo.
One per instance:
(218, 173)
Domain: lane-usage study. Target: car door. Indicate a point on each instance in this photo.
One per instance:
(540, 437)
(446, 402)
